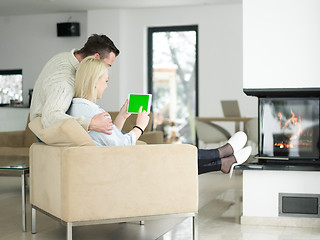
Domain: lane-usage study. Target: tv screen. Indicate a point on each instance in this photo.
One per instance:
(10, 86)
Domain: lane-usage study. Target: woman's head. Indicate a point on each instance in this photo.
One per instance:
(91, 78)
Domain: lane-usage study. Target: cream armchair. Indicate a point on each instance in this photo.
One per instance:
(79, 183)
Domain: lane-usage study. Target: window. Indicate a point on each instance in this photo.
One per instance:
(173, 81)
(10, 86)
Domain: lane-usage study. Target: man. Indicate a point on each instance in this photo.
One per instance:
(54, 88)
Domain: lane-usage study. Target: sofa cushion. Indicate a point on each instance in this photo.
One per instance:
(63, 133)
(14, 151)
(11, 139)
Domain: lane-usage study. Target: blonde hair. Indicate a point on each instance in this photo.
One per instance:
(89, 71)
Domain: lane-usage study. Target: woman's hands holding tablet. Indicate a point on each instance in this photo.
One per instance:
(141, 122)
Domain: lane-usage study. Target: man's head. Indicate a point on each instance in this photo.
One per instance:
(101, 47)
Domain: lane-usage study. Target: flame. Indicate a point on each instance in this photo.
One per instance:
(292, 121)
(284, 145)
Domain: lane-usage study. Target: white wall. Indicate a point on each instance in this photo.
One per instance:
(220, 52)
(108, 22)
(13, 119)
(281, 43)
(28, 42)
(261, 189)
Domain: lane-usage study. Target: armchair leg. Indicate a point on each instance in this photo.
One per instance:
(33, 220)
(23, 194)
(69, 231)
(195, 226)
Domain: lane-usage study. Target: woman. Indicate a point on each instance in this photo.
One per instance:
(92, 80)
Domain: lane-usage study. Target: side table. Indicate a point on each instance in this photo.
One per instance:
(17, 166)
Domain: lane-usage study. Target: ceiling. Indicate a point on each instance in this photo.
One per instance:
(27, 7)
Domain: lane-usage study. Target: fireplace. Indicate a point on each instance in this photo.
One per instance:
(288, 128)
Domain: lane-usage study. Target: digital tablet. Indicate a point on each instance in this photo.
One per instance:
(138, 100)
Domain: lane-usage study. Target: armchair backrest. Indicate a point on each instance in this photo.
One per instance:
(70, 133)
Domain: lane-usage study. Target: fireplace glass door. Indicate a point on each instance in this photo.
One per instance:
(289, 128)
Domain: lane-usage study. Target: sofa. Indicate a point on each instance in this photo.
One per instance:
(78, 183)
(16, 143)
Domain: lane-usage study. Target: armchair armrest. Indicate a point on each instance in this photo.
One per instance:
(114, 182)
(11, 139)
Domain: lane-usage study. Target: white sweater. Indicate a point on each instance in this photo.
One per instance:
(54, 90)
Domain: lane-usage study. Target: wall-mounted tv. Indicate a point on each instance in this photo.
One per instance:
(10, 86)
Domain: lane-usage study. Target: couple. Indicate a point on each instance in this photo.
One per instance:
(83, 74)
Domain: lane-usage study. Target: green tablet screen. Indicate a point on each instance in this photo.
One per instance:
(138, 100)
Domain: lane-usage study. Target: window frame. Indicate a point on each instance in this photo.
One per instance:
(180, 28)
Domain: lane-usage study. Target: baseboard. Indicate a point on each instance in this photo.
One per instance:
(281, 221)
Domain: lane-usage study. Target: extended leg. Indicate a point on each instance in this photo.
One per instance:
(205, 166)
(211, 160)
(208, 160)
(208, 154)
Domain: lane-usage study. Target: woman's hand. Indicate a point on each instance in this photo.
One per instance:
(124, 110)
(122, 115)
(142, 119)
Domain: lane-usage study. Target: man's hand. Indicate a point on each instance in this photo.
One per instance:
(100, 123)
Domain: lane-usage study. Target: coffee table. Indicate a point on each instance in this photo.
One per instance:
(17, 166)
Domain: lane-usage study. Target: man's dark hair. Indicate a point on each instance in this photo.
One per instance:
(98, 44)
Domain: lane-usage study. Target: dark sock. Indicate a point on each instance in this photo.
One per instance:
(225, 150)
(226, 163)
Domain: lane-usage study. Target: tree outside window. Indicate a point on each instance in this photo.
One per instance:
(173, 73)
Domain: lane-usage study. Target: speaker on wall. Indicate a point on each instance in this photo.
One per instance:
(68, 29)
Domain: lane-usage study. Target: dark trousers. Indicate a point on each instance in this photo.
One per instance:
(208, 161)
